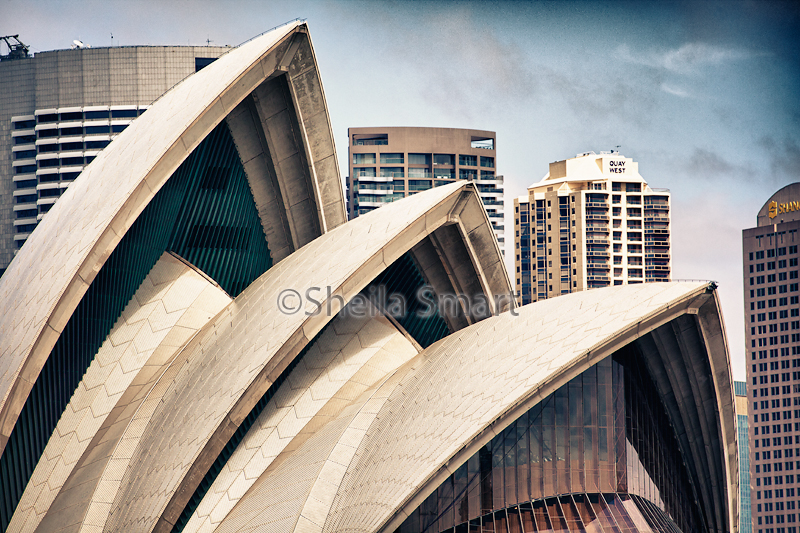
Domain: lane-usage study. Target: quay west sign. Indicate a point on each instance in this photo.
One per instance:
(616, 166)
(776, 209)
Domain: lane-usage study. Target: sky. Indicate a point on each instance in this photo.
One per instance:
(704, 95)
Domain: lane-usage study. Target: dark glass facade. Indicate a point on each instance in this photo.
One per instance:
(206, 214)
(599, 454)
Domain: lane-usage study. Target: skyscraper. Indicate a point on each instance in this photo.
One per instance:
(745, 517)
(772, 338)
(592, 221)
(59, 109)
(387, 164)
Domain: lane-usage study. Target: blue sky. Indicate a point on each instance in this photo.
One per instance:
(703, 94)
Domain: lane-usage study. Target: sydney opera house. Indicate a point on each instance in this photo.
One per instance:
(196, 339)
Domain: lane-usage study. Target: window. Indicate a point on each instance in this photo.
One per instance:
(71, 131)
(96, 115)
(468, 160)
(393, 172)
(25, 124)
(443, 159)
(74, 115)
(202, 62)
(97, 130)
(25, 139)
(25, 154)
(363, 159)
(419, 159)
(123, 113)
(419, 185)
(487, 162)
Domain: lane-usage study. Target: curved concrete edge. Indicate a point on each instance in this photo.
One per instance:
(351, 356)
(491, 335)
(172, 304)
(562, 375)
(316, 124)
(712, 327)
(346, 260)
(43, 285)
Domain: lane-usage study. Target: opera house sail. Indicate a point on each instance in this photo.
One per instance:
(195, 339)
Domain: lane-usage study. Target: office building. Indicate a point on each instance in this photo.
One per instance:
(59, 109)
(742, 425)
(219, 349)
(772, 339)
(387, 164)
(591, 222)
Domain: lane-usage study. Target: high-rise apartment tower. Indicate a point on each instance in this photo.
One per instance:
(58, 109)
(591, 222)
(772, 338)
(387, 164)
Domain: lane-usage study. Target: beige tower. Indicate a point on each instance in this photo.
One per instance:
(591, 222)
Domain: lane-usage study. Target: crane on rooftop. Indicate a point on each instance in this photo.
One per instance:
(16, 48)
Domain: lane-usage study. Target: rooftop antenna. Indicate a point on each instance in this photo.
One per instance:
(208, 41)
(112, 39)
(16, 48)
(618, 147)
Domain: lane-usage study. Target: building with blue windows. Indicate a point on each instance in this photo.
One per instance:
(745, 516)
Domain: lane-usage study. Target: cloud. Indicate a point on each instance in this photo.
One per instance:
(784, 157)
(705, 163)
(675, 91)
(690, 58)
(464, 62)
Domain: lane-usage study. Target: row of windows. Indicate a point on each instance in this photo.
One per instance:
(776, 454)
(772, 315)
(775, 391)
(776, 441)
(778, 519)
(88, 115)
(775, 352)
(77, 145)
(774, 302)
(778, 480)
(66, 161)
(776, 365)
(776, 416)
(775, 404)
(81, 130)
(772, 252)
(776, 428)
(777, 493)
(50, 118)
(423, 159)
(771, 265)
(777, 467)
(784, 339)
(769, 291)
(770, 278)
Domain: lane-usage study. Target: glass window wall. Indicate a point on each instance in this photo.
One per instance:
(599, 454)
